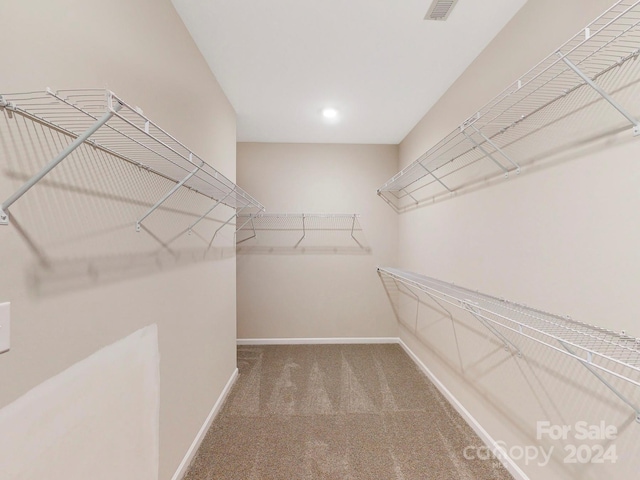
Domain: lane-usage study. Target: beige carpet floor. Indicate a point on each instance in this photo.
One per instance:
(336, 412)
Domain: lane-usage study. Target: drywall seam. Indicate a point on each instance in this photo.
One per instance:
(193, 449)
(508, 463)
(316, 341)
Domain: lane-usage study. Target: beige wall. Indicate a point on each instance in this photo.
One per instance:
(328, 285)
(104, 281)
(66, 413)
(561, 237)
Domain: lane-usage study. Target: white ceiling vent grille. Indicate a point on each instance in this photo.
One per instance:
(440, 9)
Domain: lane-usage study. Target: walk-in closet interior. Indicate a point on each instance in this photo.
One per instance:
(321, 240)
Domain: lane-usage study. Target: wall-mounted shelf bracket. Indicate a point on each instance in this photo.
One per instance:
(353, 226)
(80, 139)
(249, 220)
(253, 228)
(498, 149)
(485, 152)
(218, 202)
(175, 188)
(587, 364)
(634, 121)
(304, 230)
(434, 176)
(226, 223)
(467, 305)
(409, 193)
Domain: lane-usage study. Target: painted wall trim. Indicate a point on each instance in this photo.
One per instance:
(315, 341)
(186, 461)
(508, 463)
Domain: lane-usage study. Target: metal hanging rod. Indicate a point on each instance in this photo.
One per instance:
(598, 349)
(103, 120)
(601, 59)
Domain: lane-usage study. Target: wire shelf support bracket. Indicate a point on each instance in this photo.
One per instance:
(437, 179)
(175, 188)
(4, 208)
(634, 121)
(467, 305)
(253, 228)
(103, 120)
(202, 217)
(596, 348)
(488, 154)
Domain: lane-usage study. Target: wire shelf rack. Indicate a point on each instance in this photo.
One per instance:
(304, 222)
(102, 119)
(597, 348)
(564, 99)
(298, 221)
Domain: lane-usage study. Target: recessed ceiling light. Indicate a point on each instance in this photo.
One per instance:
(331, 113)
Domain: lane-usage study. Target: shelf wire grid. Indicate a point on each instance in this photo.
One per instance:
(594, 346)
(550, 96)
(294, 222)
(128, 135)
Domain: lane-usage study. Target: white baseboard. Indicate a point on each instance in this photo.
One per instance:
(508, 463)
(315, 341)
(186, 461)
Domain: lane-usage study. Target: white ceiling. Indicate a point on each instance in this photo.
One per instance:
(376, 61)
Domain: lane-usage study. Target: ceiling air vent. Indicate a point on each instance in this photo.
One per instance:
(440, 9)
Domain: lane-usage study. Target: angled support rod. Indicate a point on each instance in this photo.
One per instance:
(436, 301)
(433, 175)
(414, 295)
(498, 149)
(398, 197)
(250, 219)
(4, 216)
(253, 227)
(407, 192)
(209, 211)
(168, 194)
(586, 363)
(492, 329)
(353, 226)
(226, 223)
(304, 231)
(483, 150)
(634, 121)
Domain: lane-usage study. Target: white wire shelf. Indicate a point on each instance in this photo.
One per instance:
(304, 222)
(103, 120)
(560, 101)
(597, 348)
(298, 221)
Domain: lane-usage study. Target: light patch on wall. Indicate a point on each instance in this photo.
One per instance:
(99, 419)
